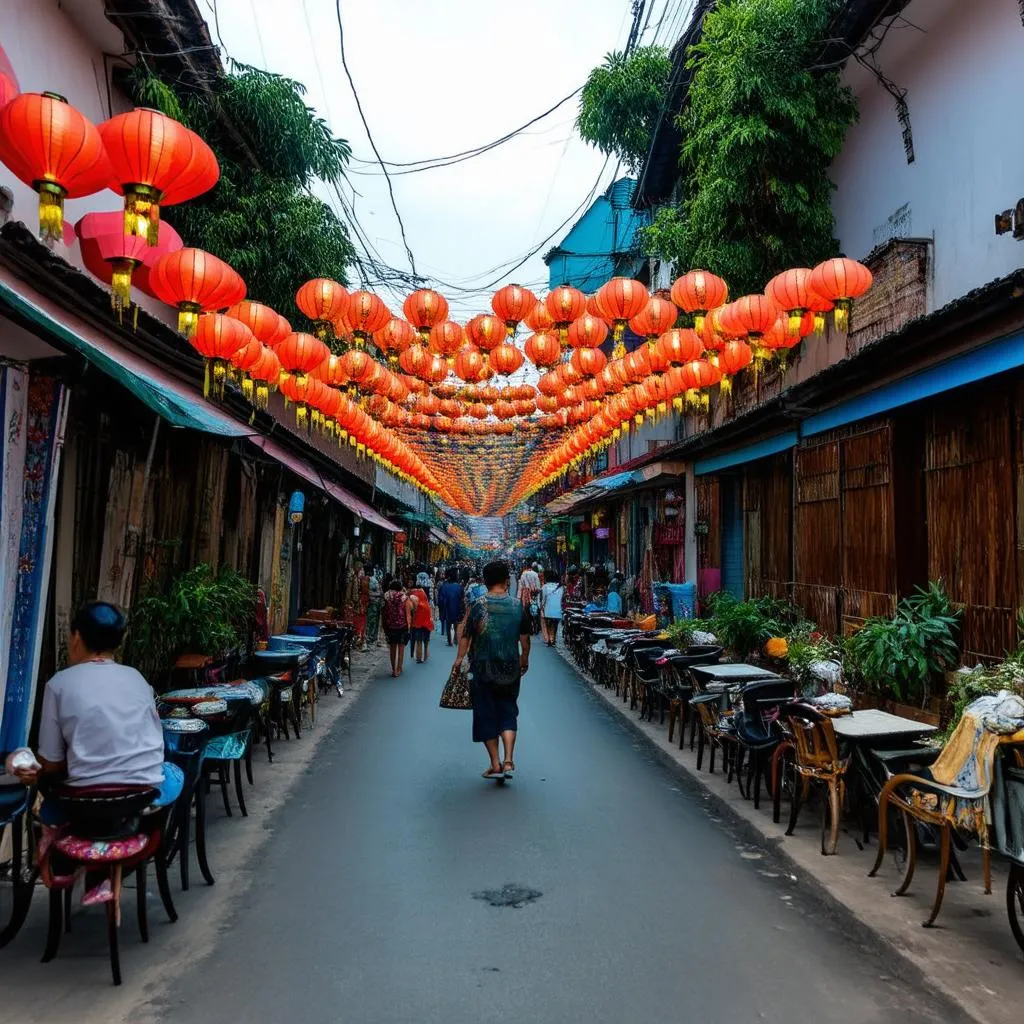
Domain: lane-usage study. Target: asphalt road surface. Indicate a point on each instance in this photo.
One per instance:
(367, 904)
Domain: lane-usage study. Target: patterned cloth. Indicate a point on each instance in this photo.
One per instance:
(495, 625)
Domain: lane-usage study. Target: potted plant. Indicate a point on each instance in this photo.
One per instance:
(903, 657)
(201, 612)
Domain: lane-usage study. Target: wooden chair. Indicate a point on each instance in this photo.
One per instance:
(961, 808)
(816, 761)
(713, 733)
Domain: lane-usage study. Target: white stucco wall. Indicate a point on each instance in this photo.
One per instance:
(962, 65)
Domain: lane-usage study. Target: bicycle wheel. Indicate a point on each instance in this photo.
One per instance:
(1015, 901)
(17, 875)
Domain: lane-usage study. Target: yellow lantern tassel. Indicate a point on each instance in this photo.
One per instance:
(121, 285)
(352, 441)
(819, 323)
(247, 387)
(51, 211)
(677, 404)
(360, 451)
(841, 317)
(262, 395)
(220, 373)
(188, 317)
(206, 379)
(301, 416)
(725, 387)
(142, 212)
(638, 419)
(796, 317)
(625, 427)
(698, 320)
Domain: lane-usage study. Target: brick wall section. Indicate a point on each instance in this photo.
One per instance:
(899, 292)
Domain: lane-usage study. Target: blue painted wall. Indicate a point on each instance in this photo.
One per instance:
(600, 245)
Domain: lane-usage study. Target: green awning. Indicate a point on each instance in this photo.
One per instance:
(158, 390)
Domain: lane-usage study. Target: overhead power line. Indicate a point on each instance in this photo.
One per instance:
(369, 136)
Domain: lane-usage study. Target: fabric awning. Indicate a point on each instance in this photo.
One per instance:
(301, 468)
(167, 396)
(440, 536)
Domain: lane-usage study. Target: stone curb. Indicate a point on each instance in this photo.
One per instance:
(747, 826)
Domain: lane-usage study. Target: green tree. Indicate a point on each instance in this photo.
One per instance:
(261, 217)
(622, 102)
(760, 130)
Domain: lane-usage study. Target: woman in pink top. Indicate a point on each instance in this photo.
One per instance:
(422, 624)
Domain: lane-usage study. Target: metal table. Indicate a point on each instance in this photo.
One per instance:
(718, 678)
(874, 724)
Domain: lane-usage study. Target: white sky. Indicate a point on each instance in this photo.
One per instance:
(436, 77)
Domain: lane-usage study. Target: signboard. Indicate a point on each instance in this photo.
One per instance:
(602, 532)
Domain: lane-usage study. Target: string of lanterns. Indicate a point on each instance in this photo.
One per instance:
(445, 406)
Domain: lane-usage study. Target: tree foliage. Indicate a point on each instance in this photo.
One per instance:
(262, 219)
(760, 130)
(622, 102)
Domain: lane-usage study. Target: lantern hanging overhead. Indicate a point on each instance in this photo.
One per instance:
(365, 315)
(266, 324)
(485, 331)
(588, 362)
(680, 346)
(621, 298)
(49, 145)
(543, 349)
(266, 375)
(300, 353)
(156, 162)
(323, 301)
(565, 304)
(9, 87)
(446, 338)
(506, 359)
(423, 309)
(841, 281)
(195, 281)
(217, 338)
(470, 365)
(793, 293)
(538, 318)
(697, 292)
(657, 317)
(414, 360)
(587, 332)
(394, 338)
(512, 304)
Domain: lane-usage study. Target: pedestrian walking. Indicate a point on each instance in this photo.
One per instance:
(422, 624)
(397, 616)
(529, 597)
(497, 640)
(551, 606)
(376, 591)
(451, 601)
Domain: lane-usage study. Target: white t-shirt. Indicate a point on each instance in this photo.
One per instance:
(101, 718)
(529, 584)
(551, 600)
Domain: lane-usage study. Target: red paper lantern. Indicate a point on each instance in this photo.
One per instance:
(9, 87)
(485, 331)
(52, 147)
(366, 314)
(733, 357)
(300, 353)
(469, 364)
(749, 315)
(323, 301)
(791, 290)
(680, 346)
(414, 360)
(446, 338)
(394, 338)
(841, 281)
(658, 316)
(266, 324)
(425, 308)
(538, 319)
(697, 292)
(194, 281)
(217, 338)
(266, 375)
(511, 305)
(588, 362)
(543, 349)
(587, 332)
(565, 304)
(506, 359)
(622, 298)
(156, 161)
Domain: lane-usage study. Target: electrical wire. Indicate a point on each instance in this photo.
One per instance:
(369, 136)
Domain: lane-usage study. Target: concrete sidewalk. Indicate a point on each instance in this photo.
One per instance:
(77, 986)
(969, 956)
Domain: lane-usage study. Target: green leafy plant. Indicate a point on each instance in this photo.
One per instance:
(261, 217)
(200, 611)
(746, 626)
(622, 102)
(760, 130)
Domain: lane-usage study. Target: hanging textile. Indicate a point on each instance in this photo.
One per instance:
(41, 420)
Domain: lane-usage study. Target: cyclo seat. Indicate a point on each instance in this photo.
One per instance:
(105, 811)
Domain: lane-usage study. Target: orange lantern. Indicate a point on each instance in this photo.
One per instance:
(300, 353)
(697, 292)
(750, 316)
(791, 290)
(587, 332)
(732, 357)
(415, 360)
(588, 362)
(658, 316)
(511, 305)
(52, 147)
(394, 338)
(680, 346)
(266, 375)
(111, 255)
(506, 359)
(469, 364)
(9, 87)
(446, 338)
(543, 349)
(565, 304)
(217, 338)
(538, 318)
(266, 324)
(323, 301)
(485, 332)
(425, 308)
(840, 281)
(436, 370)
(194, 281)
(155, 161)
(621, 298)
(365, 315)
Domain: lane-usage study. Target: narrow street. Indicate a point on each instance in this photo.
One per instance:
(362, 907)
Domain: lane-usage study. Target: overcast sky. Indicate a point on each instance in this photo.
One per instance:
(436, 77)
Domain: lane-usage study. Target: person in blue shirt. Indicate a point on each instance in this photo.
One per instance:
(451, 604)
(614, 600)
